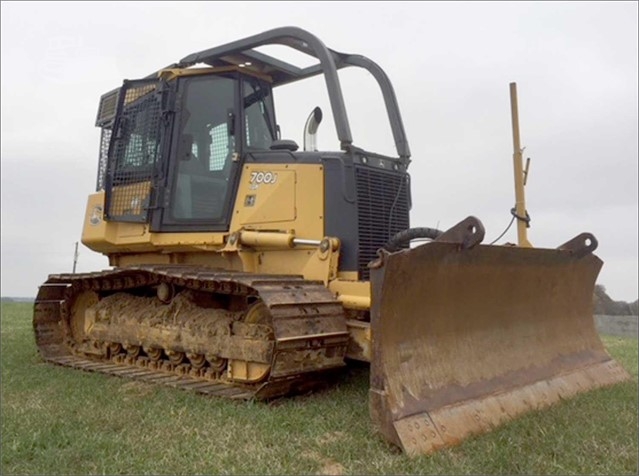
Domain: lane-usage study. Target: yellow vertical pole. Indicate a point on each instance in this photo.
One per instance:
(520, 199)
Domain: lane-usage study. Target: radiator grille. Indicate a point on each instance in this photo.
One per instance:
(134, 152)
(382, 210)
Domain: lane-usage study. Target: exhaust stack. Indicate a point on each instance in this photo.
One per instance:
(310, 130)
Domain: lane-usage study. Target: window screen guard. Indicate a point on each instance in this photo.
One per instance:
(134, 151)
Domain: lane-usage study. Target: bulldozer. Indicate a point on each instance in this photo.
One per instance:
(243, 267)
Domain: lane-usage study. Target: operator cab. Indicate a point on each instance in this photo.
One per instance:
(182, 136)
(176, 144)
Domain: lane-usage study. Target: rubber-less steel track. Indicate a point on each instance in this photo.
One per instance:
(310, 336)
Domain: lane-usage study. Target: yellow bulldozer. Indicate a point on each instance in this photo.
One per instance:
(244, 267)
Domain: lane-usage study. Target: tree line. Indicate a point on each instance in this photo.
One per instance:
(604, 304)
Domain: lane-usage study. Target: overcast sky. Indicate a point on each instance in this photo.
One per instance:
(575, 65)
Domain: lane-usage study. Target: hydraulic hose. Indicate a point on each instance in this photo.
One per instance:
(403, 238)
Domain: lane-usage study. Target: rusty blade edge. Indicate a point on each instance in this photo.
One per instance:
(427, 432)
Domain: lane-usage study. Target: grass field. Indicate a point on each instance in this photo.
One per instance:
(60, 421)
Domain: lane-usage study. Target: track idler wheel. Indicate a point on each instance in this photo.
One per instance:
(77, 320)
(197, 360)
(133, 351)
(217, 364)
(115, 348)
(153, 353)
(166, 292)
(175, 357)
(258, 313)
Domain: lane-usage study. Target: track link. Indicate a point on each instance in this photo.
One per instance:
(310, 336)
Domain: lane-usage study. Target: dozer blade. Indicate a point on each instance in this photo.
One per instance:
(467, 336)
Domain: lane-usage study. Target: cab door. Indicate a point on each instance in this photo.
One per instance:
(204, 158)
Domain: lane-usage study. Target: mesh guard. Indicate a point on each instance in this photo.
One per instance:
(134, 152)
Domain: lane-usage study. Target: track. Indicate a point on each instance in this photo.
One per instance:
(307, 336)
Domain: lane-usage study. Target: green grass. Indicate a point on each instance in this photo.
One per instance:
(61, 421)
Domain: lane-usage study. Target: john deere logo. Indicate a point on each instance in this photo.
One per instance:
(96, 215)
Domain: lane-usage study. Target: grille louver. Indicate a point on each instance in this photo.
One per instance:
(107, 108)
(382, 210)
